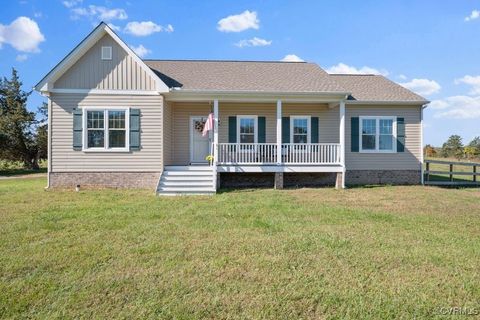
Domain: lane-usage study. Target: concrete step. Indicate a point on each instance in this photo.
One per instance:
(187, 173)
(187, 189)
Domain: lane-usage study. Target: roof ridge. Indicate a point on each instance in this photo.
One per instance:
(219, 60)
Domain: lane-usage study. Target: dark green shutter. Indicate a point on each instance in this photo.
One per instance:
(314, 127)
(400, 134)
(355, 131)
(77, 129)
(261, 130)
(232, 129)
(134, 129)
(285, 129)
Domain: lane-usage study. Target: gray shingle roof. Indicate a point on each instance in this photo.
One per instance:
(272, 76)
(374, 88)
(244, 76)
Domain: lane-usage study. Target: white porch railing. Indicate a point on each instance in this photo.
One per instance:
(247, 153)
(266, 153)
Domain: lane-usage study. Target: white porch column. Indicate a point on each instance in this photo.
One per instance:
(279, 132)
(342, 140)
(215, 132)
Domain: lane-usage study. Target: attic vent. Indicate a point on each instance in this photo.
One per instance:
(106, 53)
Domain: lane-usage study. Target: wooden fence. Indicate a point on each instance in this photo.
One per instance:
(450, 177)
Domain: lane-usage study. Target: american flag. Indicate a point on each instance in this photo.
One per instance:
(208, 125)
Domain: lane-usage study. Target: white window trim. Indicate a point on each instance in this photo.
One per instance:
(255, 127)
(377, 134)
(105, 128)
(104, 57)
(309, 128)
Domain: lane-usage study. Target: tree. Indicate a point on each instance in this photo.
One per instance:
(453, 147)
(475, 146)
(17, 124)
(42, 132)
(430, 151)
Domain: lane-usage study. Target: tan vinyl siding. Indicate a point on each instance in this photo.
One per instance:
(181, 128)
(328, 121)
(408, 160)
(120, 73)
(65, 159)
(168, 133)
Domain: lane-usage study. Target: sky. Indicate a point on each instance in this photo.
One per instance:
(430, 47)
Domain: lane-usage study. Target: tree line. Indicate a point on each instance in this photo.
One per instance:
(23, 133)
(454, 148)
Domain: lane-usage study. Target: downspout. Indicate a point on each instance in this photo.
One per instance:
(422, 178)
(49, 144)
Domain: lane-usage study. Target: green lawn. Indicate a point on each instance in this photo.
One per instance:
(363, 253)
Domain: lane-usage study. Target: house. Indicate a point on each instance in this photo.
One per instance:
(116, 120)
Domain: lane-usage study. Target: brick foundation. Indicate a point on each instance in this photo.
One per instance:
(141, 180)
(396, 177)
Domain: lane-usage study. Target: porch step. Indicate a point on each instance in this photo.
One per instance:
(186, 180)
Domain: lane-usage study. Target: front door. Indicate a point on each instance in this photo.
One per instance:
(199, 145)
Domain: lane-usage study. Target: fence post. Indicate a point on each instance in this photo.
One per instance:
(451, 170)
(474, 173)
(428, 170)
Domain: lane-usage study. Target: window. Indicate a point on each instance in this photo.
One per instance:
(106, 129)
(300, 129)
(377, 134)
(106, 53)
(247, 129)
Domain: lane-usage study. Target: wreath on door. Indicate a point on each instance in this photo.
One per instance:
(199, 125)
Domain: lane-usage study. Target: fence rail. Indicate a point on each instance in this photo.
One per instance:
(451, 173)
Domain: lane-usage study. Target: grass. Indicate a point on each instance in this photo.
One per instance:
(363, 253)
(16, 168)
(456, 168)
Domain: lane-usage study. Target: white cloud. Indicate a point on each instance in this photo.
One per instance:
(343, 68)
(474, 15)
(71, 3)
(38, 14)
(457, 107)
(145, 28)
(402, 77)
(292, 58)
(114, 27)
(239, 22)
(254, 42)
(473, 81)
(21, 57)
(23, 34)
(100, 13)
(141, 51)
(424, 87)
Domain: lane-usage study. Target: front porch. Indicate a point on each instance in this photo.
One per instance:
(259, 137)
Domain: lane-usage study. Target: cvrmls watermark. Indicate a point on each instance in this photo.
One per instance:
(458, 311)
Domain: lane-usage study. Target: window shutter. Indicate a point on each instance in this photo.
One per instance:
(400, 134)
(134, 129)
(232, 129)
(261, 129)
(285, 129)
(77, 129)
(314, 127)
(355, 131)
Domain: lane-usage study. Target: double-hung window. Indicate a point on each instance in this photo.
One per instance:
(247, 131)
(377, 134)
(300, 127)
(106, 129)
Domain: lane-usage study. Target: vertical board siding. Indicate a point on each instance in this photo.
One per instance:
(120, 73)
(148, 158)
(408, 160)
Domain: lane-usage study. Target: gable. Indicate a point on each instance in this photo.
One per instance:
(122, 72)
